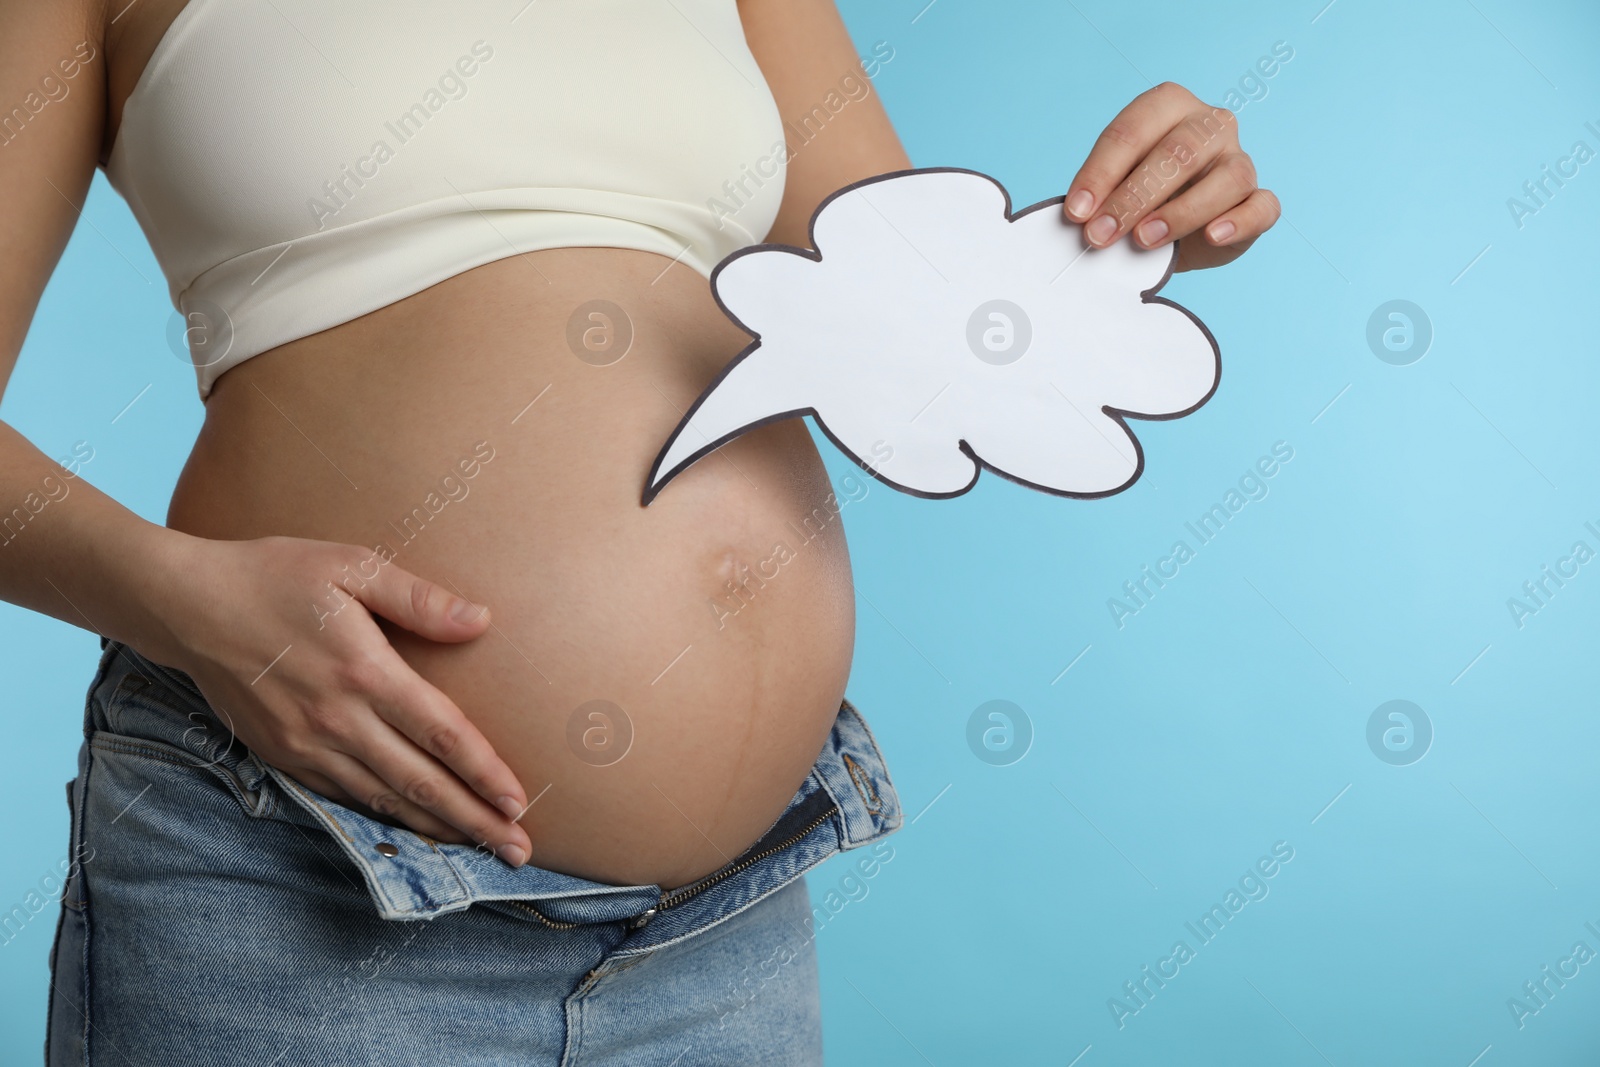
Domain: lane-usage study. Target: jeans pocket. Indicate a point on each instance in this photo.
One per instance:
(149, 716)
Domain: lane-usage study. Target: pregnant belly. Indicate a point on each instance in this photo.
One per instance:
(660, 678)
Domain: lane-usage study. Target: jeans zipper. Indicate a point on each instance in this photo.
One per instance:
(672, 900)
(689, 892)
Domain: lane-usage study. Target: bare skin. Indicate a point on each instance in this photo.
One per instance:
(730, 695)
(434, 683)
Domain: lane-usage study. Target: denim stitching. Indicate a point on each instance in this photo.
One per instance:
(883, 764)
(139, 748)
(863, 784)
(178, 758)
(697, 931)
(326, 813)
(86, 987)
(388, 899)
(340, 826)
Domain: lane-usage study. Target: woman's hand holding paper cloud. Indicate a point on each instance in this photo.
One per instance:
(934, 332)
(1169, 168)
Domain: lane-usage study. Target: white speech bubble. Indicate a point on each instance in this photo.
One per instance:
(934, 333)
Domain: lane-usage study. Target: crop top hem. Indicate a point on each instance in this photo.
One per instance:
(374, 262)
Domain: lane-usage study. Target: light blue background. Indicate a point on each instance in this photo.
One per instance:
(1231, 711)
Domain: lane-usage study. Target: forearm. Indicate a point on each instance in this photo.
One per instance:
(69, 551)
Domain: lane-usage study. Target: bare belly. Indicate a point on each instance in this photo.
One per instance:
(716, 625)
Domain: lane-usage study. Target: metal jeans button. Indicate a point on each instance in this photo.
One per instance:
(386, 849)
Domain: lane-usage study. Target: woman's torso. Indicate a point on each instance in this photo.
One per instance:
(719, 620)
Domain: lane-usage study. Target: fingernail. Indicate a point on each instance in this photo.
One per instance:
(466, 611)
(513, 855)
(1080, 203)
(512, 809)
(1221, 231)
(1151, 231)
(1100, 230)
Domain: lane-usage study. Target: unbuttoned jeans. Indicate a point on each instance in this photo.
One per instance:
(219, 912)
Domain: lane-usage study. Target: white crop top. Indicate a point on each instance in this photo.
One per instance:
(296, 164)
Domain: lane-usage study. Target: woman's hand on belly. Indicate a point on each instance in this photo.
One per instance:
(279, 633)
(464, 434)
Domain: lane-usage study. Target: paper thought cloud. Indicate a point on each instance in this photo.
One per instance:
(934, 333)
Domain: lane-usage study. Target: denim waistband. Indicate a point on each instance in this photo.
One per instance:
(847, 801)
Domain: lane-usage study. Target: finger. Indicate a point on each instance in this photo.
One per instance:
(1125, 141)
(1246, 222)
(434, 723)
(1181, 155)
(412, 775)
(1226, 184)
(351, 781)
(420, 606)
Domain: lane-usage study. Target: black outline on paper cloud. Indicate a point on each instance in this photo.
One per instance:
(1117, 415)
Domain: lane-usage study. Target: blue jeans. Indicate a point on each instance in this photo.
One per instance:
(218, 912)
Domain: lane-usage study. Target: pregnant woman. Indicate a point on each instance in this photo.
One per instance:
(415, 739)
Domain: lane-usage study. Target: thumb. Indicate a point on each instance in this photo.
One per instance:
(422, 607)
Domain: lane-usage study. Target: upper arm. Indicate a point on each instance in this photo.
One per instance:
(52, 114)
(834, 123)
